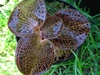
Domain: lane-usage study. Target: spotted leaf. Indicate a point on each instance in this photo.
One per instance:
(52, 27)
(34, 56)
(76, 28)
(27, 15)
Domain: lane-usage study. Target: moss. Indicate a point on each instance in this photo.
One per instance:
(55, 6)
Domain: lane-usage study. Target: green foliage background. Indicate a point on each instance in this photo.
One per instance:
(85, 62)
